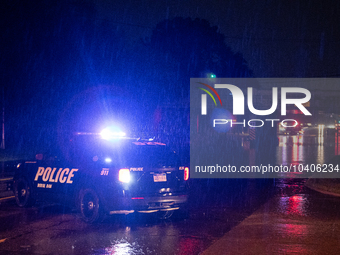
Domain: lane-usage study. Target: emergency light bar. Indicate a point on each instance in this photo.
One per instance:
(115, 133)
(109, 134)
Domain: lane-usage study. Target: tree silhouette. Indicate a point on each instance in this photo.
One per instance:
(179, 49)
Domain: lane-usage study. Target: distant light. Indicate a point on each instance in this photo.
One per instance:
(108, 160)
(331, 126)
(212, 75)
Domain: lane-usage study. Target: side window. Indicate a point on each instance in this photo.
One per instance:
(48, 158)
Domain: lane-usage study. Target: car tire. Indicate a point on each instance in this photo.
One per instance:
(23, 193)
(164, 215)
(90, 207)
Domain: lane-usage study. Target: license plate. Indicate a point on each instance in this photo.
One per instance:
(159, 177)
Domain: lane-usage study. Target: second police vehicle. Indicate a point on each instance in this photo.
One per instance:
(105, 174)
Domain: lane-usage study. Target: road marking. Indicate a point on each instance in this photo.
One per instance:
(4, 198)
(3, 240)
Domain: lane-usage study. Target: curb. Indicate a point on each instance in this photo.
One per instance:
(323, 191)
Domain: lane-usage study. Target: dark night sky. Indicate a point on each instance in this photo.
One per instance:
(278, 38)
(53, 53)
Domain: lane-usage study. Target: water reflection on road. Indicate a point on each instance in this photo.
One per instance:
(296, 220)
(295, 205)
(300, 149)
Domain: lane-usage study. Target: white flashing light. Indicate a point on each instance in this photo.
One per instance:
(112, 133)
(124, 175)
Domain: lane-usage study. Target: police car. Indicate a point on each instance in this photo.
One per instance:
(106, 174)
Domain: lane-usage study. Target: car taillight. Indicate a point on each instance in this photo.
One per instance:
(186, 173)
(124, 175)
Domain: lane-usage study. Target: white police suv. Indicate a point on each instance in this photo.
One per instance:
(104, 174)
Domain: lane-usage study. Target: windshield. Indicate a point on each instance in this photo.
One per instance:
(125, 153)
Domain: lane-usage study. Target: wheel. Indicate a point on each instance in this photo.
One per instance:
(164, 215)
(90, 208)
(23, 193)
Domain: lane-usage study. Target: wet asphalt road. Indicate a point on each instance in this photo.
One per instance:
(247, 217)
(226, 216)
(296, 220)
(213, 211)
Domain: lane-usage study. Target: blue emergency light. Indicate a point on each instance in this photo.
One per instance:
(112, 133)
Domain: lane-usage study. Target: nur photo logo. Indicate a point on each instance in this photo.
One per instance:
(289, 96)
